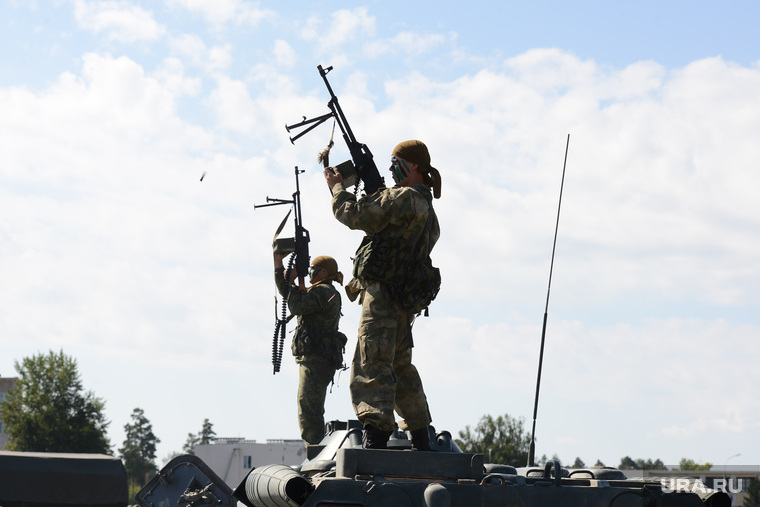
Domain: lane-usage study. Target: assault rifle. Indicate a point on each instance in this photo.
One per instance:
(361, 167)
(299, 245)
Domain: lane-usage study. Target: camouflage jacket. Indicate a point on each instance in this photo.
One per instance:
(318, 314)
(400, 212)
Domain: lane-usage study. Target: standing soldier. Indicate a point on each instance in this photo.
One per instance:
(317, 344)
(401, 228)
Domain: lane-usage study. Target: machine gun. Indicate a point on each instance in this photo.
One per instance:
(361, 167)
(299, 245)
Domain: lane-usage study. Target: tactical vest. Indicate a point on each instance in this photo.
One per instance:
(330, 344)
(412, 280)
(316, 336)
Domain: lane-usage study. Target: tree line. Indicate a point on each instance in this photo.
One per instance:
(48, 410)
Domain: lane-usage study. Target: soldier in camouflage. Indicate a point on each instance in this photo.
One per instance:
(317, 344)
(383, 377)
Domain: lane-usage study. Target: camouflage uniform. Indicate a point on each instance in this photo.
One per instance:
(383, 377)
(318, 348)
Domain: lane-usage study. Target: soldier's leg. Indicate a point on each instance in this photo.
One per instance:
(411, 402)
(373, 382)
(314, 377)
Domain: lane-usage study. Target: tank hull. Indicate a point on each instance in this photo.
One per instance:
(339, 472)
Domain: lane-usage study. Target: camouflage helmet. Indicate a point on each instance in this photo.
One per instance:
(330, 265)
(416, 152)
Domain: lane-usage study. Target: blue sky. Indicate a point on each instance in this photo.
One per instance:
(112, 250)
(46, 38)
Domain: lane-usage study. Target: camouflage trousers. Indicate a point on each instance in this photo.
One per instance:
(314, 375)
(383, 378)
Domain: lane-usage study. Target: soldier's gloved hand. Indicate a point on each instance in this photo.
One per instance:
(332, 177)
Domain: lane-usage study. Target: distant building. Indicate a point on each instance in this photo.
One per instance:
(232, 458)
(6, 384)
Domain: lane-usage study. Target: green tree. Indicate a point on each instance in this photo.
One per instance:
(139, 450)
(207, 433)
(627, 463)
(205, 436)
(650, 465)
(689, 464)
(48, 411)
(501, 440)
(190, 443)
(578, 463)
(752, 499)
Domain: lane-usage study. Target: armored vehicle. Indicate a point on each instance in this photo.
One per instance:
(340, 473)
(46, 479)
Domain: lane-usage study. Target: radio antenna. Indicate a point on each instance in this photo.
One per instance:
(532, 452)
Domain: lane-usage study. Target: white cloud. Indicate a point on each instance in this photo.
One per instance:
(706, 427)
(212, 60)
(406, 43)
(219, 12)
(348, 24)
(344, 26)
(233, 105)
(311, 28)
(121, 20)
(284, 53)
(172, 76)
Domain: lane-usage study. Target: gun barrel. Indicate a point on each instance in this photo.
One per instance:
(323, 73)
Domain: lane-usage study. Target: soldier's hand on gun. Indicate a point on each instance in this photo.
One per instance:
(332, 177)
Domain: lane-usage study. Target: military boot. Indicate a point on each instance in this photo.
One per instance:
(420, 439)
(374, 438)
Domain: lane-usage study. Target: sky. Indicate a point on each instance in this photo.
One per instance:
(160, 283)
